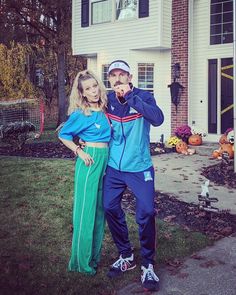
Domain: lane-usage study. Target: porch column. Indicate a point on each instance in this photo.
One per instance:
(179, 54)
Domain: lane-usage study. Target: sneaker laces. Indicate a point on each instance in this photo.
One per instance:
(149, 274)
(122, 263)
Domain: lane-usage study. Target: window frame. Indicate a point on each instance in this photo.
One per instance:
(142, 7)
(105, 76)
(220, 18)
(146, 80)
(91, 12)
(135, 16)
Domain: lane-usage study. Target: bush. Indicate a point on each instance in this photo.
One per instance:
(17, 133)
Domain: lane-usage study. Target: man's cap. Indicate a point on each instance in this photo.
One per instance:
(119, 64)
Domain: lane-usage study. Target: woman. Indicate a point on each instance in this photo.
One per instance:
(87, 120)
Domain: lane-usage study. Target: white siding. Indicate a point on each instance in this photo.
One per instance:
(136, 41)
(140, 33)
(200, 52)
(162, 74)
(162, 71)
(166, 23)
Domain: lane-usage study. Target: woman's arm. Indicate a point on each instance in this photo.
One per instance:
(76, 149)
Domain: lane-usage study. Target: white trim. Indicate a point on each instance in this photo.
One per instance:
(190, 43)
(218, 131)
(234, 81)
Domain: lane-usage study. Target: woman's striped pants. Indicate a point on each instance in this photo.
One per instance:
(88, 213)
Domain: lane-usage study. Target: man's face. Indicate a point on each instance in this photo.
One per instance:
(117, 77)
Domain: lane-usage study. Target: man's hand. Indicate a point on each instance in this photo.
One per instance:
(122, 89)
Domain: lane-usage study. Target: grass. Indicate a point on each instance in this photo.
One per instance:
(47, 136)
(35, 217)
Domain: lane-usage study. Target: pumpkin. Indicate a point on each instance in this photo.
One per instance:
(195, 139)
(223, 139)
(181, 147)
(215, 154)
(228, 149)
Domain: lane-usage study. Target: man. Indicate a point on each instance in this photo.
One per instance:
(131, 111)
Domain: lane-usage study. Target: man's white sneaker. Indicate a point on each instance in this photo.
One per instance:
(149, 280)
(121, 265)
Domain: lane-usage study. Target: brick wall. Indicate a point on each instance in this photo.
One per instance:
(179, 54)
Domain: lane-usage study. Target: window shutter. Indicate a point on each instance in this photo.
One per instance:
(84, 13)
(143, 8)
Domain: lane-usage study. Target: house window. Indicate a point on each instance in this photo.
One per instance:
(146, 76)
(101, 11)
(105, 76)
(221, 22)
(126, 9)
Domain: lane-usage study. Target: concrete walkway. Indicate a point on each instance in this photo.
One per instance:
(212, 271)
(180, 176)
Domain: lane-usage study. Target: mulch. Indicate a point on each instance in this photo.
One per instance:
(215, 225)
(189, 216)
(39, 150)
(222, 173)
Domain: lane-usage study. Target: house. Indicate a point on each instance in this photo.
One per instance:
(189, 42)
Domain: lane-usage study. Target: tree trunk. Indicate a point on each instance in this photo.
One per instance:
(62, 100)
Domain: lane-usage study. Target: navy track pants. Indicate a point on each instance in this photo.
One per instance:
(142, 185)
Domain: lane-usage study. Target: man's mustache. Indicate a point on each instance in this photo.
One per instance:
(118, 83)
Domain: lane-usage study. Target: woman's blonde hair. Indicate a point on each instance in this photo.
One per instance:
(78, 101)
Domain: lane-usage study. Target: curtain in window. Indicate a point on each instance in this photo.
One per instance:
(126, 9)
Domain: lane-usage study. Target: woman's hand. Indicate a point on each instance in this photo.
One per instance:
(88, 160)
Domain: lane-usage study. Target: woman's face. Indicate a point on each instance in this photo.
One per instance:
(91, 90)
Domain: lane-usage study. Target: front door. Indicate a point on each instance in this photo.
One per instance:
(227, 103)
(220, 95)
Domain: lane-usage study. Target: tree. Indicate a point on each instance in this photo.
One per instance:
(13, 74)
(49, 23)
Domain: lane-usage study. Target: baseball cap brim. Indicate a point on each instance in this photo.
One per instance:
(119, 65)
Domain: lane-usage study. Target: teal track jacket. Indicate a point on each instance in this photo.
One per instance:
(130, 141)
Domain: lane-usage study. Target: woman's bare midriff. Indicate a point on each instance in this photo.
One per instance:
(96, 144)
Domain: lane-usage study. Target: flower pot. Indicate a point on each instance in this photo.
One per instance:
(195, 139)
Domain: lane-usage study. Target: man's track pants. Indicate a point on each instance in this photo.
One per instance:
(142, 185)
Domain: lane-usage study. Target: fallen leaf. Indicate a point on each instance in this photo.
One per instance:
(169, 218)
(209, 263)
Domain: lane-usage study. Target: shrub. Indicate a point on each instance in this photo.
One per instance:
(17, 133)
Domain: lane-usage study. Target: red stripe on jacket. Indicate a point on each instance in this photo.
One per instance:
(124, 119)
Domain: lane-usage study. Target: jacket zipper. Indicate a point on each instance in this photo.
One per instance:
(124, 145)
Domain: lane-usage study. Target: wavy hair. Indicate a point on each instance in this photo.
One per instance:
(78, 101)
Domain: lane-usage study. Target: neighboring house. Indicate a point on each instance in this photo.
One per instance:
(153, 36)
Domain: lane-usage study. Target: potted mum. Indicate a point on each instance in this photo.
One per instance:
(183, 132)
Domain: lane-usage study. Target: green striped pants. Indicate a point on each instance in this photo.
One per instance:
(88, 213)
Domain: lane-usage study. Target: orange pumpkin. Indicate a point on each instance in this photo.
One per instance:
(181, 147)
(223, 139)
(215, 154)
(195, 139)
(228, 149)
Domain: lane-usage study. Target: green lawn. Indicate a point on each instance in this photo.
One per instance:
(35, 217)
